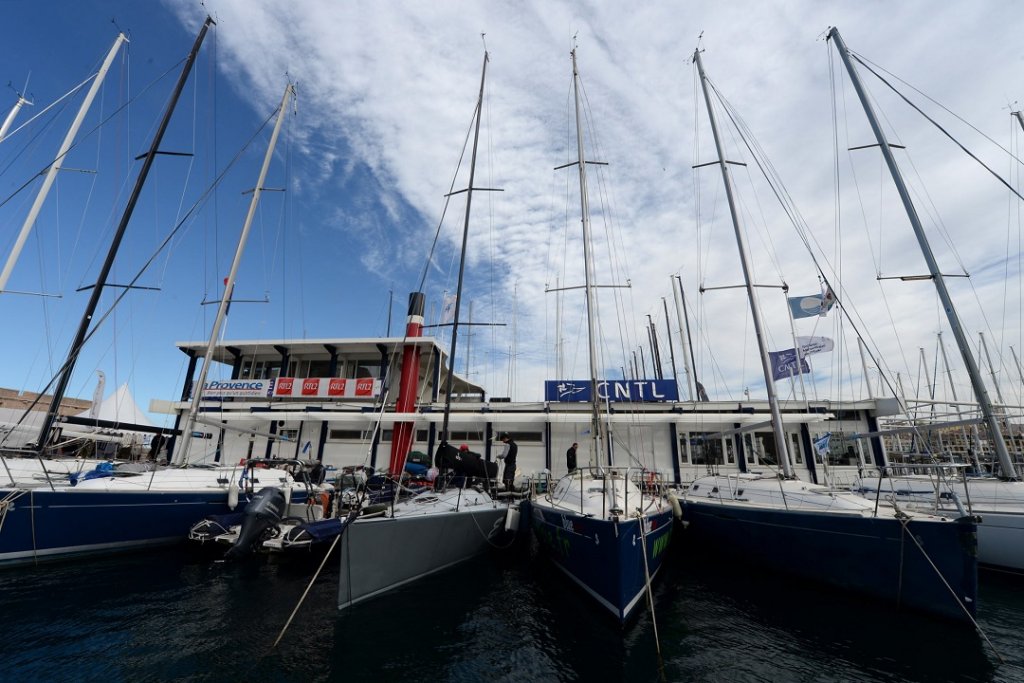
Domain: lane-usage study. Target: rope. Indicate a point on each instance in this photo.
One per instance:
(352, 515)
(941, 129)
(487, 537)
(904, 521)
(647, 584)
(7, 502)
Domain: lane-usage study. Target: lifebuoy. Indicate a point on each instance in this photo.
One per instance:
(325, 501)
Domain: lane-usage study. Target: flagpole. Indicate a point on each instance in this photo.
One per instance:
(799, 351)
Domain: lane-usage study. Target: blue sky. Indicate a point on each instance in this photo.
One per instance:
(385, 94)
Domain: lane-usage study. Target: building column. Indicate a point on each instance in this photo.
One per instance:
(186, 393)
(673, 433)
(737, 441)
(810, 459)
(332, 371)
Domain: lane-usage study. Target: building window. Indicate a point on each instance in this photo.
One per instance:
(366, 368)
(684, 448)
(521, 437)
(841, 450)
(348, 435)
(289, 434)
(705, 449)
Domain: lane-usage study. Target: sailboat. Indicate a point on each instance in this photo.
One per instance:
(999, 500)
(595, 524)
(120, 511)
(925, 562)
(418, 535)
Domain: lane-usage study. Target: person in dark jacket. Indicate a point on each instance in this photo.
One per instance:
(570, 457)
(511, 450)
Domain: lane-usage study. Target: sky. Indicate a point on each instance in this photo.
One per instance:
(385, 99)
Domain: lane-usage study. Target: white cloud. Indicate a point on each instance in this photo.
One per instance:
(388, 89)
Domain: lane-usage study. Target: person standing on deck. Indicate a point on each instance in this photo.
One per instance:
(511, 450)
(570, 457)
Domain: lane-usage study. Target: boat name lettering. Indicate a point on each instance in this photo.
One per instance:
(645, 390)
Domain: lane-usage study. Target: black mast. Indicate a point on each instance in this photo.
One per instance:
(462, 257)
(97, 290)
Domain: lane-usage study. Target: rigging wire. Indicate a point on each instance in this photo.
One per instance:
(970, 154)
(99, 321)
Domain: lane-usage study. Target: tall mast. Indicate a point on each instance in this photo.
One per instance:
(51, 172)
(229, 284)
(995, 433)
(462, 255)
(769, 382)
(97, 290)
(596, 433)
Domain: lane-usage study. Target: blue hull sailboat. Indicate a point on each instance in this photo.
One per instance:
(610, 559)
(595, 523)
(921, 561)
(119, 511)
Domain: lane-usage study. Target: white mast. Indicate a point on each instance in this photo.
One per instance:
(229, 284)
(980, 392)
(596, 425)
(51, 173)
(11, 116)
(773, 401)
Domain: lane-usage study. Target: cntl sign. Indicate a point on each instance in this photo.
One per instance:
(635, 390)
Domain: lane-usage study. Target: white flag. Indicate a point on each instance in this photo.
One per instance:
(448, 308)
(809, 345)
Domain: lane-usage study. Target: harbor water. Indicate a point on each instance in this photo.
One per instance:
(176, 615)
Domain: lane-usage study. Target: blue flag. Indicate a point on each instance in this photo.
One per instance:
(810, 306)
(784, 363)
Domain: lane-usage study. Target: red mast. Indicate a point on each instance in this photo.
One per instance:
(401, 441)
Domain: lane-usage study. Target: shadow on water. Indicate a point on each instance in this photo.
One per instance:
(171, 615)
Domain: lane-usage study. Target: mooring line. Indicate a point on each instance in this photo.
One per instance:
(905, 522)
